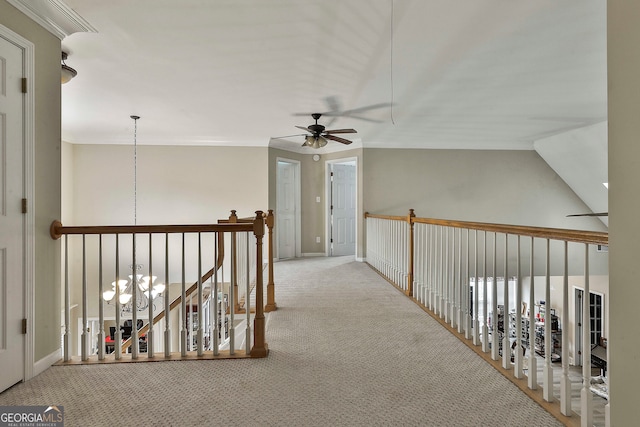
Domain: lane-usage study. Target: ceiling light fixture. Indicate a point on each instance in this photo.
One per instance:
(67, 72)
(314, 141)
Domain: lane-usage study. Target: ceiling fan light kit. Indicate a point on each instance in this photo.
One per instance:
(314, 141)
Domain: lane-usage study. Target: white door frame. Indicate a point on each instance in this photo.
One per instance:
(28, 231)
(297, 202)
(327, 199)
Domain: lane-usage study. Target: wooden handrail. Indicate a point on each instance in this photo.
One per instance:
(578, 236)
(57, 230)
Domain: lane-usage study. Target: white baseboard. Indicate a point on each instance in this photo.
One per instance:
(45, 363)
(362, 259)
(312, 254)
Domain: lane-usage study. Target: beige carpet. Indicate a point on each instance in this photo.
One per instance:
(347, 349)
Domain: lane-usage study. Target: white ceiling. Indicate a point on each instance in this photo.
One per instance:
(477, 74)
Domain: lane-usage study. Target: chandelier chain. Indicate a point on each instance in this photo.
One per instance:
(135, 169)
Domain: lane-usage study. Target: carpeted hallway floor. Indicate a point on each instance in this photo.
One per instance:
(346, 349)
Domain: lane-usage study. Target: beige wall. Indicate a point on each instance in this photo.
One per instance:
(623, 39)
(510, 187)
(47, 176)
(313, 184)
(175, 185)
(507, 187)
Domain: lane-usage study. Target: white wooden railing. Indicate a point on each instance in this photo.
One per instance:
(166, 252)
(456, 271)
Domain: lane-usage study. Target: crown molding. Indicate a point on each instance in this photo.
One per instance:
(54, 16)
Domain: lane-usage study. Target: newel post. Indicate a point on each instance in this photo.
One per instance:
(410, 271)
(271, 292)
(259, 348)
(233, 219)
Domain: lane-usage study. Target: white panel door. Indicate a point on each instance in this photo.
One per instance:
(11, 218)
(286, 210)
(343, 215)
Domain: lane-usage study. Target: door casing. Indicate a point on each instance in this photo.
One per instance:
(327, 198)
(297, 203)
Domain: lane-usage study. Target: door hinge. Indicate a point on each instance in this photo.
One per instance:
(24, 326)
(24, 85)
(24, 206)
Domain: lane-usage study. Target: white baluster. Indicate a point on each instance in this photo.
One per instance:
(67, 302)
(134, 304)
(548, 341)
(232, 302)
(506, 343)
(485, 308)
(437, 252)
(200, 329)
(467, 293)
(85, 323)
(247, 298)
(117, 348)
(518, 356)
(432, 267)
(149, 289)
(101, 344)
(476, 288)
(215, 331)
(445, 274)
(452, 279)
(167, 302)
(459, 284)
(565, 383)
(183, 306)
(532, 379)
(495, 339)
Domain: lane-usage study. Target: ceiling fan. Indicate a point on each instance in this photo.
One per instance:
(319, 135)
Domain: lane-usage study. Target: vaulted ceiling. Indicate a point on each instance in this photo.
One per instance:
(474, 74)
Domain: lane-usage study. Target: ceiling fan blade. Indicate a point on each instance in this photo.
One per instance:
(337, 139)
(357, 110)
(336, 112)
(365, 119)
(340, 131)
(303, 128)
(332, 102)
(288, 136)
(591, 214)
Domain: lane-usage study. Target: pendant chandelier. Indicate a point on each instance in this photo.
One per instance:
(144, 286)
